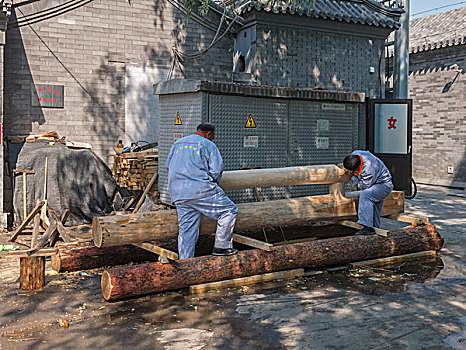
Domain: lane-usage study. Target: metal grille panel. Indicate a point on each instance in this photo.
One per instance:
(229, 114)
(287, 133)
(321, 133)
(191, 108)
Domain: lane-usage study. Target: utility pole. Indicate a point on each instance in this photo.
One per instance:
(401, 55)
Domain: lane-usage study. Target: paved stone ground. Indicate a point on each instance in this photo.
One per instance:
(418, 305)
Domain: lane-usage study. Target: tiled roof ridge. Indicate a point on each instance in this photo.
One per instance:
(366, 12)
(430, 32)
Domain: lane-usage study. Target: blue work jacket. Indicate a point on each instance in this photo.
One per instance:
(195, 168)
(372, 171)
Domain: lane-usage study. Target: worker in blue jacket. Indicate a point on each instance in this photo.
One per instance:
(372, 177)
(195, 168)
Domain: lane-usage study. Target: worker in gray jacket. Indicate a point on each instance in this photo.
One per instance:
(372, 177)
(195, 168)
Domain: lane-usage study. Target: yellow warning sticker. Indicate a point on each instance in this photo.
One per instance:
(178, 119)
(250, 123)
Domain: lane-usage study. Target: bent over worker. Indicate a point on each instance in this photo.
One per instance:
(373, 178)
(195, 168)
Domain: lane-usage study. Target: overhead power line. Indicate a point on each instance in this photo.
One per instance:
(438, 8)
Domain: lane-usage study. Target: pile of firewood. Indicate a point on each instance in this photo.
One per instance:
(134, 170)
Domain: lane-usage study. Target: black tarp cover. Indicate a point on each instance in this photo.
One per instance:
(77, 179)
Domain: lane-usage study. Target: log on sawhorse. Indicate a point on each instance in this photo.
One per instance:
(129, 281)
(161, 225)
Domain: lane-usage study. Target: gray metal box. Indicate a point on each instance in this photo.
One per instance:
(260, 126)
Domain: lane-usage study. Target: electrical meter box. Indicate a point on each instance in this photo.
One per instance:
(261, 126)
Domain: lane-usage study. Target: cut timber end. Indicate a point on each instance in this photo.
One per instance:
(97, 232)
(106, 285)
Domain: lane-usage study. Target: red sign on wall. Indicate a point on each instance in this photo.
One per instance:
(47, 95)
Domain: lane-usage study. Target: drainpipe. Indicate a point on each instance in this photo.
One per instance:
(401, 55)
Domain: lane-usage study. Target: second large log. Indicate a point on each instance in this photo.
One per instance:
(142, 279)
(163, 224)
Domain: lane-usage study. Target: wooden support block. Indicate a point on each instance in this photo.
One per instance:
(205, 287)
(352, 224)
(395, 259)
(32, 272)
(412, 219)
(30, 253)
(252, 242)
(157, 250)
(293, 241)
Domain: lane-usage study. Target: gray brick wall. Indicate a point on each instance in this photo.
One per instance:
(439, 116)
(300, 57)
(93, 44)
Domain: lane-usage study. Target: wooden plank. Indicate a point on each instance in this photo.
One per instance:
(396, 259)
(236, 282)
(64, 216)
(27, 253)
(252, 242)
(45, 237)
(158, 250)
(412, 219)
(60, 228)
(146, 191)
(293, 241)
(35, 230)
(352, 224)
(26, 221)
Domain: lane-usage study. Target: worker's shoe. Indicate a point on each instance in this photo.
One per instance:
(366, 231)
(224, 252)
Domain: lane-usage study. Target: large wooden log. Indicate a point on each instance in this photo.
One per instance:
(299, 175)
(163, 224)
(85, 256)
(137, 280)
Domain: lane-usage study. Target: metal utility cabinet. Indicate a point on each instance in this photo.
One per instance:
(261, 126)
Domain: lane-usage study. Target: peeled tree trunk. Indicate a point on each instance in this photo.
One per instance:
(130, 281)
(298, 175)
(163, 224)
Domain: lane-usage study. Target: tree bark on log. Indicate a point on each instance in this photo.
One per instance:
(129, 281)
(85, 256)
(163, 224)
(299, 175)
(32, 273)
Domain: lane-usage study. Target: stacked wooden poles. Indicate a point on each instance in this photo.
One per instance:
(129, 281)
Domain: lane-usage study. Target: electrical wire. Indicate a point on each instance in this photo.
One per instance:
(438, 8)
(178, 55)
(68, 71)
(47, 14)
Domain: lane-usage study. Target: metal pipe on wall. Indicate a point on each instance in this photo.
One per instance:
(401, 55)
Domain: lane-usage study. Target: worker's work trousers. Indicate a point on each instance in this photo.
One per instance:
(371, 203)
(218, 207)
